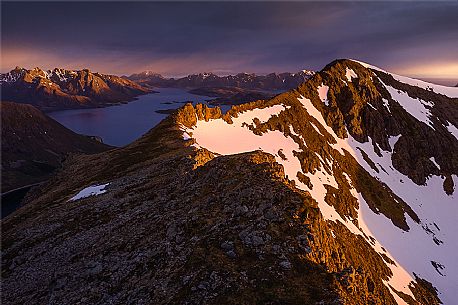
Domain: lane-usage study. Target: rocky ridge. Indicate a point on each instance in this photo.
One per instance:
(185, 220)
(65, 89)
(362, 141)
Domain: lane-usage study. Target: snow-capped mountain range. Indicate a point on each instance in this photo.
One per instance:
(63, 89)
(341, 191)
(272, 81)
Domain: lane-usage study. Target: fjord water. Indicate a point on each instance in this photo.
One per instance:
(121, 124)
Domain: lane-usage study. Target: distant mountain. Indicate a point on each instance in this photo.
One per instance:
(148, 76)
(231, 95)
(34, 145)
(342, 191)
(269, 82)
(66, 89)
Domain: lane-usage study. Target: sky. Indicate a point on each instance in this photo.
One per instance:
(179, 38)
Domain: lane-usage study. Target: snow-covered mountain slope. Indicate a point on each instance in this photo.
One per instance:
(445, 90)
(352, 118)
(342, 191)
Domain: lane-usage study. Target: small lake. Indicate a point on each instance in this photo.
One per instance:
(122, 124)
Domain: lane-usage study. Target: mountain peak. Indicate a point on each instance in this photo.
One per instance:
(325, 188)
(145, 75)
(307, 72)
(391, 144)
(151, 73)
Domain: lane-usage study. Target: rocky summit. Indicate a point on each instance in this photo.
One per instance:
(66, 89)
(342, 191)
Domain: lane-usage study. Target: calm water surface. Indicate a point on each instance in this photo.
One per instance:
(122, 124)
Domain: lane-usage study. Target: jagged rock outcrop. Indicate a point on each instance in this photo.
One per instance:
(65, 89)
(295, 200)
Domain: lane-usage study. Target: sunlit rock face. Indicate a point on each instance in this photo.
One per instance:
(365, 144)
(342, 191)
(66, 89)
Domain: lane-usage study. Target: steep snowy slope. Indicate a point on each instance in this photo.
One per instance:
(400, 132)
(448, 91)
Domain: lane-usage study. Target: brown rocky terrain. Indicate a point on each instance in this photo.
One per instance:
(179, 224)
(66, 89)
(34, 145)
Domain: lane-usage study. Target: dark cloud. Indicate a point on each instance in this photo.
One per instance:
(184, 37)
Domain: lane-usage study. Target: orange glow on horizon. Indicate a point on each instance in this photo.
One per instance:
(122, 64)
(433, 70)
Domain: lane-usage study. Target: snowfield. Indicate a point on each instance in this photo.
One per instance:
(452, 129)
(418, 108)
(413, 251)
(323, 93)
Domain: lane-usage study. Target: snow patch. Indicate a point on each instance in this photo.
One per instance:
(432, 159)
(386, 104)
(452, 129)
(316, 128)
(372, 106)
(393, 140)
(186, 136)
(350, 74)
(92, 190)
(323, 93)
